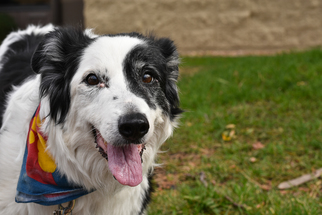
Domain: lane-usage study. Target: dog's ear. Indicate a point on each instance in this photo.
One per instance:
(170, 53)
(56, 59)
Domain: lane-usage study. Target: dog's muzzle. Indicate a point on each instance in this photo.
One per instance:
(125, 157)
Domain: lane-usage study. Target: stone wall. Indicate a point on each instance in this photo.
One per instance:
(214, 25)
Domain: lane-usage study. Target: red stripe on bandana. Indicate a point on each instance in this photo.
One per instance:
(33, 168)
(56, 195)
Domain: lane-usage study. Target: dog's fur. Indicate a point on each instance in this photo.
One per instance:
(49, 66)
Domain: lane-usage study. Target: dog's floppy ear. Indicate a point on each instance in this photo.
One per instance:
(56, 59)
(169, 51)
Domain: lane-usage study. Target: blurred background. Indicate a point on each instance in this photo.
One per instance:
(197, 26)
(250, 82)
(16, 14)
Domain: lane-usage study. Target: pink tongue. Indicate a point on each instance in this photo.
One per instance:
(125, 164)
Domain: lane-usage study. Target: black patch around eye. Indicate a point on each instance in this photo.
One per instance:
(136, 78)
(161, 57)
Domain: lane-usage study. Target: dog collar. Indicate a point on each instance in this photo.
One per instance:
(40, 181)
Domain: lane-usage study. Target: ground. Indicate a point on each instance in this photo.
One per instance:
(251, 122)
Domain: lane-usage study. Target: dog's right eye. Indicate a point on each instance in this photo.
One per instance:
(92, 79)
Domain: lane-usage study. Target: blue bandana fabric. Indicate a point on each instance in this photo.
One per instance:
(39, 181)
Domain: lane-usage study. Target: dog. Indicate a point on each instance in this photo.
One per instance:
(104, 105)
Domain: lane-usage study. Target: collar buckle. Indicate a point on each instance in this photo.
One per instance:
(65, 210)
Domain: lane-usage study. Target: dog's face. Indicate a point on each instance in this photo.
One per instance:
(114, 98)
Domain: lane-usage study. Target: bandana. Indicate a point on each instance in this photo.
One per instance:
(40, 181)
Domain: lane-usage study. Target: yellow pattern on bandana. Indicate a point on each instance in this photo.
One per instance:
(45, 160)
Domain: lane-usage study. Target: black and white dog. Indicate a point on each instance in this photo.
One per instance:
(106, 105)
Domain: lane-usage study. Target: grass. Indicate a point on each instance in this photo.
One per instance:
(212, 165)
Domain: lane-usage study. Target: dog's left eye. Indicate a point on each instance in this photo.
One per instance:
(92, 79)
(147, 78)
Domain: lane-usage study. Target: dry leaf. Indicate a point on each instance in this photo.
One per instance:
(260, 205)
(252, 159)
(229, 132)
(230, 126)
(258, 145)
(304, 189)
(284, 192)
(232, 133)
(225, 136)
(266, 187)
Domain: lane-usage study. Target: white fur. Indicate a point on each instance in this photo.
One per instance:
(71, 144)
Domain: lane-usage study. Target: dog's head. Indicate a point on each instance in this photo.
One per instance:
(113, 95)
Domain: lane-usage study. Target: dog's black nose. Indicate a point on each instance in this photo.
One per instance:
(133, 126)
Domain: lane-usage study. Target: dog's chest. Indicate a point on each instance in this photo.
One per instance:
(127, 201)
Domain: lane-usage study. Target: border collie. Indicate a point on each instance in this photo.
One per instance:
(105, 105)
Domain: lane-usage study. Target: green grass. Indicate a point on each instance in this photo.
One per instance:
(274, 100)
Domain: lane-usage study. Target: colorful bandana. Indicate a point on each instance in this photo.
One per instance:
(39, 181)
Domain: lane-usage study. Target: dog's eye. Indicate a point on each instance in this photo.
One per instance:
(92, 79)
(147, 78)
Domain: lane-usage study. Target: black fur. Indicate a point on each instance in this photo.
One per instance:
(161, 59)
(16, 66)
(148, 193)
(169, 51)
(57, 59)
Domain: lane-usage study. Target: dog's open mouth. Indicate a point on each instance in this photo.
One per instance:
(125, 162)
